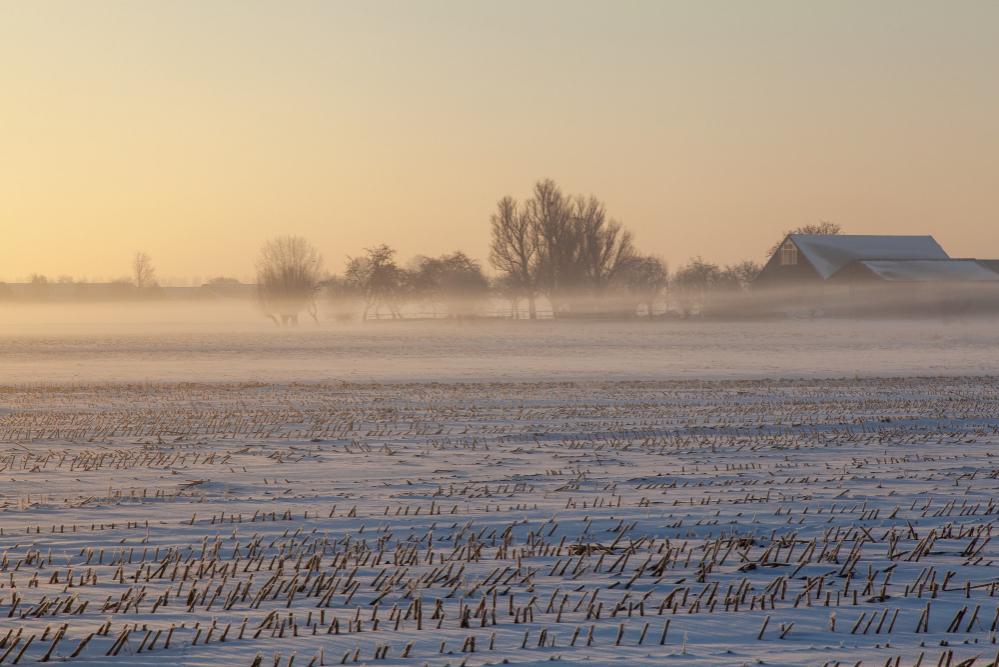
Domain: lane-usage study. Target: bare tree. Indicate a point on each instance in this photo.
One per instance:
(742, 274)
(344, 299)
(580, 249)
(563, 247)
(379, 280)
(696, 283)
(644, 279)
(514, 252)
(692, 283)
(508, 290)
(549, 213)
(288, 274)
(143, 272)
(455, 281)
(604, 249)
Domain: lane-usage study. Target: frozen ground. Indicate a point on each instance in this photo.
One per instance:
(724, 522)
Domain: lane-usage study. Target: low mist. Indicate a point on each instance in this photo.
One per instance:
(234, 341)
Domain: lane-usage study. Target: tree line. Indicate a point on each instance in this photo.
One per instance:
(141, 284)
(552, 254)
(564, 250)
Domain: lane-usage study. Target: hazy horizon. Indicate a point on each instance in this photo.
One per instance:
(196, 131)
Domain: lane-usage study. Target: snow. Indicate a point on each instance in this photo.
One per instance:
(192, 474)
(839, 509)
(830, 253)
(917, 270)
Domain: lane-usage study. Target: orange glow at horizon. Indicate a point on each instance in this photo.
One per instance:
(195, 131)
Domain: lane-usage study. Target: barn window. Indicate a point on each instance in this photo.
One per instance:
(788, 254)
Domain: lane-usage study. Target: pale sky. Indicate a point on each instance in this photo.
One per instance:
(195, 130)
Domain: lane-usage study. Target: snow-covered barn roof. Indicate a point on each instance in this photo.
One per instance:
(830, 253)
(931, 270)
(992, 264)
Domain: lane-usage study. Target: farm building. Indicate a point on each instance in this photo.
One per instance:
(860, 275)
(813, 259)
(992, 264)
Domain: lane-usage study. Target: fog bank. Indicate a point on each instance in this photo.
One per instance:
(230, 342)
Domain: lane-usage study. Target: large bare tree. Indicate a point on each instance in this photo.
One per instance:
(289, 269)
(514, 251)
(549, 212)
(563, 247)
(604, 249)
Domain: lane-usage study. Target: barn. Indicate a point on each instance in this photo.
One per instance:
(873, 276)
(807, 259)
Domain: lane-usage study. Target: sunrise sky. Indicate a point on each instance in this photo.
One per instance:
(195, 130)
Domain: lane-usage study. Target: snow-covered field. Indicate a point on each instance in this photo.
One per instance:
(690, 522)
